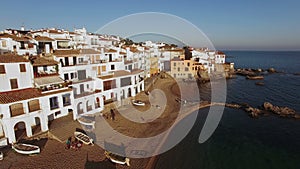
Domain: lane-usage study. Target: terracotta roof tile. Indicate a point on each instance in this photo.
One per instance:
(62, 53)
(43, 39)
(89, 51)
(110, 51)
(41, 61)
(19, 95)
(12, 58)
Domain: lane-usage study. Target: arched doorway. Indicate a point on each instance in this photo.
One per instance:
(79, 108)
(20, 130)
(97, 104)
(129, 92)
(88, 106)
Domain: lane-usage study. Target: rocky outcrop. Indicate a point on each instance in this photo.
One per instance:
(253, 112)
(281, 111)
(271, 70)
(233, 105)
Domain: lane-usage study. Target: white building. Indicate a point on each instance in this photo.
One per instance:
(22, 106)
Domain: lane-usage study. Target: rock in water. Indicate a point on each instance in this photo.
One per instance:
(271, 70)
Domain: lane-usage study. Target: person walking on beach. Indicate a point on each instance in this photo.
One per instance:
(112, 114)
(68, 143)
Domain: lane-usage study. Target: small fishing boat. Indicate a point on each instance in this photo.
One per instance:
(86, 120)
(83, 138)
(117, 158)
(138, 103)
(26, 149)
(254, 77)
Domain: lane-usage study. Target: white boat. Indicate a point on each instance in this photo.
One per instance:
(85, 120)
(26, 149)
(1, 155)
(83, 138)
(117, 158)
(138, 103)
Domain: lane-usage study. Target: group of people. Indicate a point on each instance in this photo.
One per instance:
(75, 145)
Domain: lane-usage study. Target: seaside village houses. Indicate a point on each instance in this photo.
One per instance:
(50, 73)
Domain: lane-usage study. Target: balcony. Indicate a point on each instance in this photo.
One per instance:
(44, 74)
(52, 87)
(77, 96)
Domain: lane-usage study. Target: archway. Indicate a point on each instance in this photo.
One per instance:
(97, 103)
(79, 108)
(129, 92)
(88, 106)
(20, 130)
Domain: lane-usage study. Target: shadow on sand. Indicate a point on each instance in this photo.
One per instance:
(98, 164)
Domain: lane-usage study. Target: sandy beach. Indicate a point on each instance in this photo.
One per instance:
(54, 155)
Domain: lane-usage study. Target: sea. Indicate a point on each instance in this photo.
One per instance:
(242, 142)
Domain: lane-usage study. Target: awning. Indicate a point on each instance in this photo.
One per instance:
(48, 80)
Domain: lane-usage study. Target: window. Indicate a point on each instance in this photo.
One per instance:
(2, 69)
(66, 100)
(45, 68)
(22, 68)
(4, 44)
(33, 105)
(53, 103)
(13, 83)
(16, 109)
(112, 67)
(111, 84)
(186, 69)
(66, 76)
(188, 64)
(178, 69)
(174, 64)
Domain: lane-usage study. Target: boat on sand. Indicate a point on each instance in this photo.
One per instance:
(83, 138)
(117, 158)
(138, 103)
(26, 149)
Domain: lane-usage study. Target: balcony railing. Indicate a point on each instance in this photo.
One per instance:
(54, 87)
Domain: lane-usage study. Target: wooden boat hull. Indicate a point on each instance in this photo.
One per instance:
(83, 138)
(254, 77)
(26, 149)
(117, 159)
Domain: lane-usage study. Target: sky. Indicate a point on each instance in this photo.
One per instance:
(229, 25)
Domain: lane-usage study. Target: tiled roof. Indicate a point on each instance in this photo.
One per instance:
(6, 35)
(135, 71)
(120, 73)
(176, 59)
(12, 58)
(73, 33)
(220, 53)
(41, 61)
(14, 37)
(43, 39)
(19, 95)
(110, 51)
(89, 51)
(55, 31)
(68, 52)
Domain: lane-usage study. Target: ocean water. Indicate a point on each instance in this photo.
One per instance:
(241, 142)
